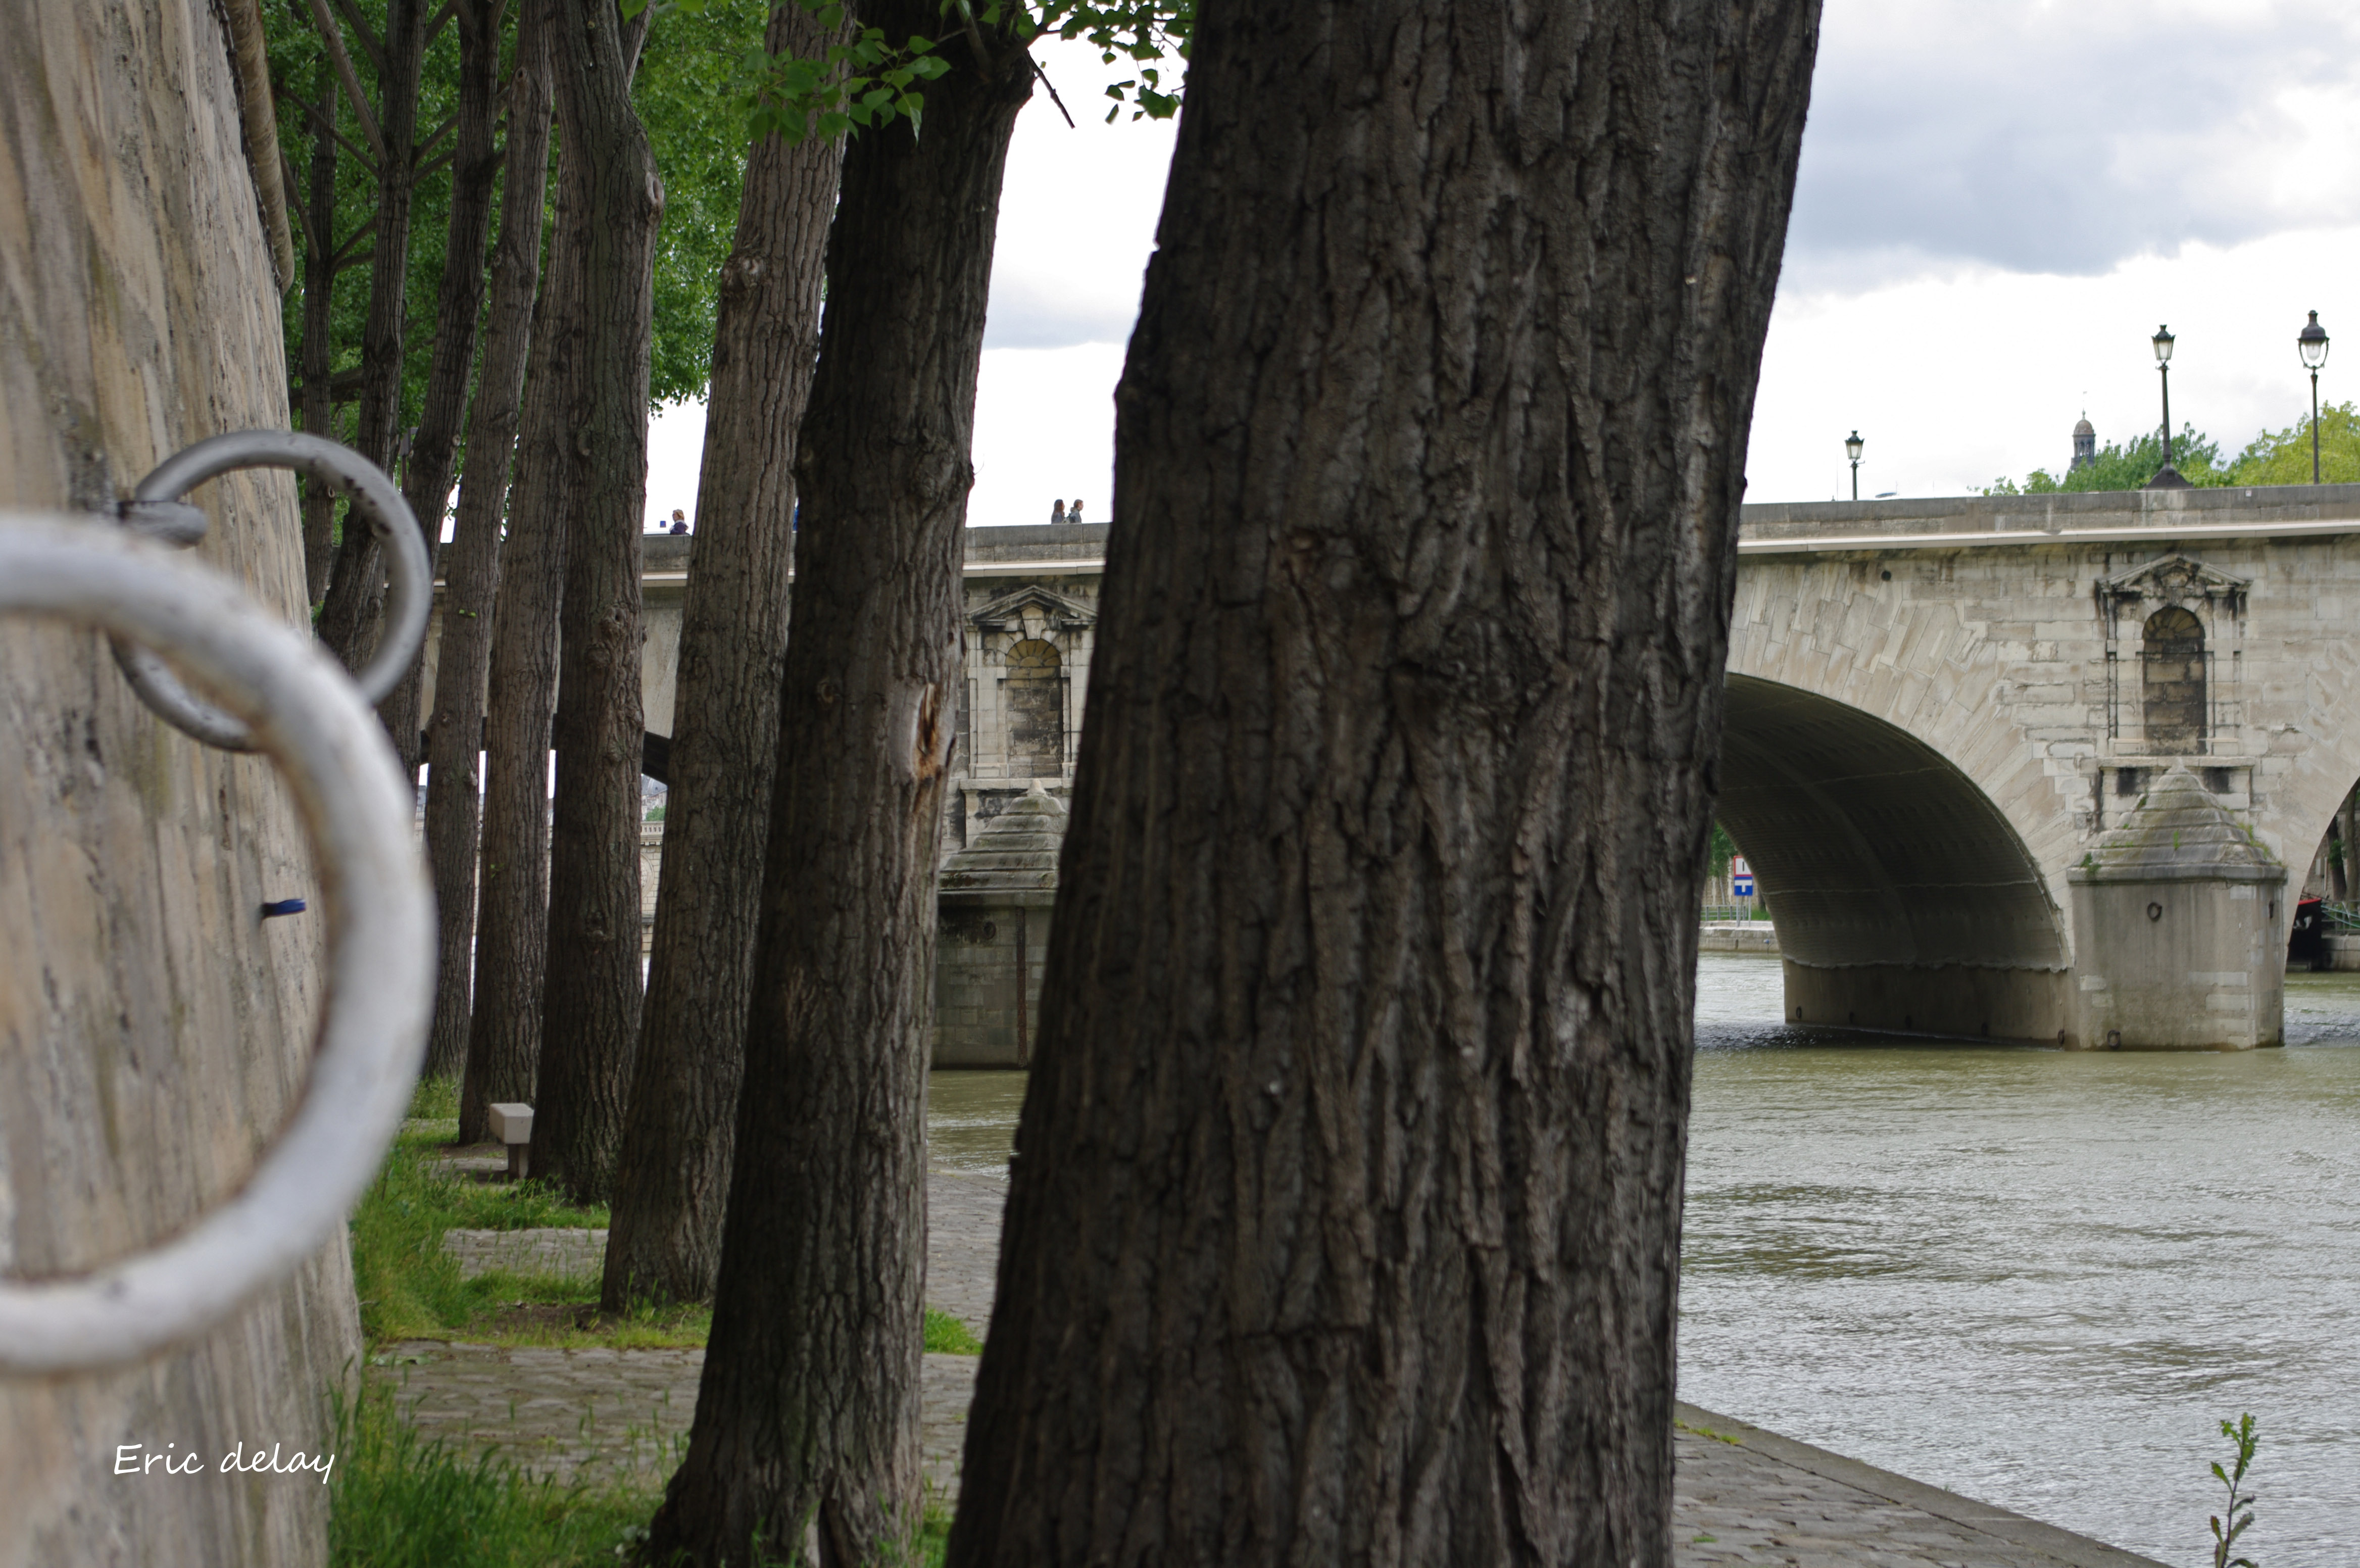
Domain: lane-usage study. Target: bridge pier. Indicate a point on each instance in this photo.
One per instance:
(2179, 929)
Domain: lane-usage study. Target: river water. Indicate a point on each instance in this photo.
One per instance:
(2036, 1277)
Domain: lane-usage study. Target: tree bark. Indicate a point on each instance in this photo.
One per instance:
(807, 1420)
(590, 1008)
(512, 898)
(318, 349)
(1344, 1223)
(473, 560)
(356, 583)
(673, 1177)
(458, 307)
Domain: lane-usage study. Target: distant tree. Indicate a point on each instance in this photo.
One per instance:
(590, 995)
(671, 1181)
(1723, 850)
(2130, 466)
(2283, 456)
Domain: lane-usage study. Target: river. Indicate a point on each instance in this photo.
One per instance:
(2040, 1278)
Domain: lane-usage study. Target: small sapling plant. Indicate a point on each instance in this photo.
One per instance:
(2224, 1537)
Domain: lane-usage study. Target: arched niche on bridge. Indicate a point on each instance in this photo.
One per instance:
(1904, 897)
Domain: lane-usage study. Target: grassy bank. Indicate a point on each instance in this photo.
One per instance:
(400, 1500)
(410, 1288)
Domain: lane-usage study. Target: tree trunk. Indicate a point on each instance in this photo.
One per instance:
(807, 1420)
(512, 899)
(590, 1010)
(473, 560)
(2351, 844)
(318, 347)
(458, 306)
(356, 584)
(672, 1178)
(1344, 1223)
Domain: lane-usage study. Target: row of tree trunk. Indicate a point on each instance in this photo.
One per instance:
(1344, 1223)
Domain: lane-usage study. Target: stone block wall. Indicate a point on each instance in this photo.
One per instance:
(154, 1033)
(986, 1011)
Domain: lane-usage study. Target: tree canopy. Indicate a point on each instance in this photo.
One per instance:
(701, 155)
(2273, 457)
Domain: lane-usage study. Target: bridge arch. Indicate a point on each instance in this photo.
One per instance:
(1904, 897)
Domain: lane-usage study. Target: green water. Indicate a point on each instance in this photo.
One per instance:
(2035, 1278)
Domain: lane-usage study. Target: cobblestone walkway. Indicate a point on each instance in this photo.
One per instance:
(598, 1415)
(1759, 1501)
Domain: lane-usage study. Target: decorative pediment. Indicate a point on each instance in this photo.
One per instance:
(1047, 606)
(2173, 580)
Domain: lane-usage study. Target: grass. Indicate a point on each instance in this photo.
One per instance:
(946, 1335)
(409, 1289)
(397, 1500)
(400, 1501)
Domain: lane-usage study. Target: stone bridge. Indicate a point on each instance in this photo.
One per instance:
(1942, 718)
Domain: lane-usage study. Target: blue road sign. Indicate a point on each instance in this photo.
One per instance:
(1741, 885)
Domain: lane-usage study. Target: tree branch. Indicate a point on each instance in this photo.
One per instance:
(343, 387)
(343, 252)
(371, 45)
(1052, 95)
(293, 179)
(445, 129)
(339, 57)
(983, 61)
(441, 19)
(319, 117)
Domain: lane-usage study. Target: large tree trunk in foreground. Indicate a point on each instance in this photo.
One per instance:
(512, 897)
(590, 998)
(357, 585)
(473, 560)
(807, 1419)
(458, 305)
(672, 1182)
(1344, 1223)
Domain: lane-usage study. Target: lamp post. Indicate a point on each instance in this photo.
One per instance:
(1853, 444)
(2311, 344)
(2166, 478)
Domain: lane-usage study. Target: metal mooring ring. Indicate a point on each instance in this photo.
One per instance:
(375, 500)
(304, 714)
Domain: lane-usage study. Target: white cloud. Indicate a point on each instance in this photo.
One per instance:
(1958, 378)
(2053, 138)
(1999, 200)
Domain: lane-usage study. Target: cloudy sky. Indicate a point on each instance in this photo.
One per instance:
(1999, 201)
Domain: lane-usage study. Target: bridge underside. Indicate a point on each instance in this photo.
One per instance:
(1905, 901)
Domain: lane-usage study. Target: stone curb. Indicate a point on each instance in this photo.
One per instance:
(2047, 1541)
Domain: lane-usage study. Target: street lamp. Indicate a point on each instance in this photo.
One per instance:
(2166, 478)
(1853, 444)
(2312, 343)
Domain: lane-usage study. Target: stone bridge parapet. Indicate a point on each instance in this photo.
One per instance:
(1936, 711)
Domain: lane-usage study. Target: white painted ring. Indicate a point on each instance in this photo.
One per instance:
(306, 715)
(376, 502)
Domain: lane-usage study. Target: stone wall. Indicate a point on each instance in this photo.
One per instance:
(153, 1032)
(977, 984)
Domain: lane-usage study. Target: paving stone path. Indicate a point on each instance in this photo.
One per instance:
(571, 1253)
(1757, 1501)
